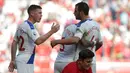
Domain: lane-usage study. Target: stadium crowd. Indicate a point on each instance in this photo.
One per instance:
(113, 16)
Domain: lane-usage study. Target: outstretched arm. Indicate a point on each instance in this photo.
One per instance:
(67, 41)
(43, 38)
(87, 43)
(72, 40)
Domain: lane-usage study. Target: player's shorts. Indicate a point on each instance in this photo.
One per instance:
(59, 66)
(24, 63)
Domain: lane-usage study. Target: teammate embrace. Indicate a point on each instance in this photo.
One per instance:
(84, 35)
(79, 43)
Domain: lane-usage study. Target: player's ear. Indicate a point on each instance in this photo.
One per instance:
(81, 13)
(32, 13)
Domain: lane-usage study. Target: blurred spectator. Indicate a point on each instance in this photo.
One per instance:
(1, 5)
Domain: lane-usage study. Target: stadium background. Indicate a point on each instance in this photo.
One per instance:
(113, 16)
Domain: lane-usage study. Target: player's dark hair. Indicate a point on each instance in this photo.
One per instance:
(33, 7)
(82, 6)
(84, 54)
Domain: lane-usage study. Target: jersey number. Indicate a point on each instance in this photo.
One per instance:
(22, 42)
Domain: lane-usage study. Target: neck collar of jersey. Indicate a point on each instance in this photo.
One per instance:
(79, 24)
(30, 24)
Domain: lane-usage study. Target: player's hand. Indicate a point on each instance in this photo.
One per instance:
(11, 66)
(53, 43)
(87, 43)
(55, 27)
(98, 41)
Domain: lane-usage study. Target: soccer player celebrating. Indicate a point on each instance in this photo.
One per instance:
(27, 37)
(66, 53)
(87, 30)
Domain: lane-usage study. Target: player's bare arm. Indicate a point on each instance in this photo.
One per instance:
(43, 38)
(87, 43)
(68, 41)
(72, 40)
(13, 53)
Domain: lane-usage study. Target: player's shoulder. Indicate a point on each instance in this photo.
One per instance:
(23, 25)
(93, 23)
(71, 65)
(20, 25)
(27, 25)
(97, 24)
(71, 26)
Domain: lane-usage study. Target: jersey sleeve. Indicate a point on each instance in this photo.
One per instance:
(69, 30)
(80, 31)
(15, 36)
(32, 33)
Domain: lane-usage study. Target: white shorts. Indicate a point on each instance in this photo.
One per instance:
(24, 68)
(24, 63)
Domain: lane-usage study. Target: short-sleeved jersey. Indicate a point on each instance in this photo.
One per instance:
(67, 52)
(73, 68)
(25, 36)
(90, 31)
